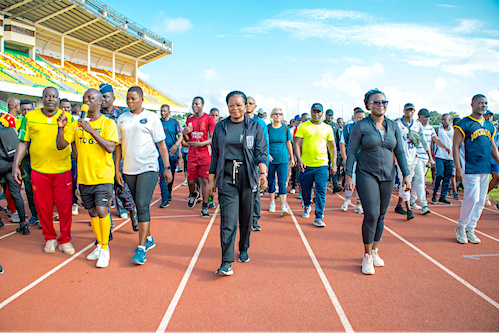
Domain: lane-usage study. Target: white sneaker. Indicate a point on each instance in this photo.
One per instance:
(14, 217)
(50, 246)
(487, 201)
(75, 209)
(415, 206)
(359, 209)
(272, 207)
(284, 211)
(472, 238)
(67, 248)
(104, 257)
(425, 210)
(367, 264)
(345, 205)
(377, 261)
(94, 255)
(293, 191)
(461, 235)
(124, 215)
(306, 212)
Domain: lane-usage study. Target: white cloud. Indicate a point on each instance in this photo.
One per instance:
(144, 75)
(165, 25)
(418, 45)
(209, 74)
(446, 5)
(440, 83)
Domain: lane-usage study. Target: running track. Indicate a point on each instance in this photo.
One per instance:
(299, 278)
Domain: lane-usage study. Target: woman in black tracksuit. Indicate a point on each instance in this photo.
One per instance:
(378, 139)
(238, 147)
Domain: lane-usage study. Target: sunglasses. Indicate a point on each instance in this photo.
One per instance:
(277, 114)
(378, 103)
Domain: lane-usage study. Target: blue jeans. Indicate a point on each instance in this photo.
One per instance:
(319, 175)
(443, 170)
(282, 175)
(166, 189)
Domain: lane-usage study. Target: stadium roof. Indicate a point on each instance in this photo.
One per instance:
(90, 21)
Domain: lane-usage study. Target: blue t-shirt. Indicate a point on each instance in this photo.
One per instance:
(477, 146)
(172, 130)
(278, 137)
(265, 132)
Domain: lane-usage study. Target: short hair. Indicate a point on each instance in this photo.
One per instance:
(338, 119)
(477, 96)
(138, 90)
(274, 110)
(236, 93)
(64, 100)
(26, 101)
(304, 114)
(445, 115)
(165, 106)
(201, 98)
(48, 88)
(214, 109)
(370, 93)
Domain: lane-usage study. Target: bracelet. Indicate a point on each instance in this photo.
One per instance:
(263, 173)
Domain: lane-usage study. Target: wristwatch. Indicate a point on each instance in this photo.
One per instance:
(168, 168)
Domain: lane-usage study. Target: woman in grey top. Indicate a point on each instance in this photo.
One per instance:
(378, 139)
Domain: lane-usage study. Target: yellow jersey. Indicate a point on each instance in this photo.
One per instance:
(41, 131)
(314, 145)
(95, 164)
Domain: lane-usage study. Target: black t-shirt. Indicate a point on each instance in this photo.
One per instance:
(234, 148)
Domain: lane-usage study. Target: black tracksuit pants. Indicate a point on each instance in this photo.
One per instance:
(236, 200)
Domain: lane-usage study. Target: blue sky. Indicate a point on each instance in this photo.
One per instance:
(435, 54)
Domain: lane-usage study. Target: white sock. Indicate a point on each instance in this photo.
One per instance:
(149, 238)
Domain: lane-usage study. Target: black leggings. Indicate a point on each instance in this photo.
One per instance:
(375, 197)
(142, 186)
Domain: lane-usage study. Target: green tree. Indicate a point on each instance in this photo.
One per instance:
(435, 118)
(453, 115)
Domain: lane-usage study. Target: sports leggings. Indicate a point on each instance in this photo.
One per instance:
(375, 197)
(142, 186)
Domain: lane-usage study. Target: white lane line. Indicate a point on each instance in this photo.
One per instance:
(64, 263)
(456, 222)
(176, 298)
(446, 270)
(9, 234)
(325, 282)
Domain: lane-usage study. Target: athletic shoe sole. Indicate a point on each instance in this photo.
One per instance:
(224, 273)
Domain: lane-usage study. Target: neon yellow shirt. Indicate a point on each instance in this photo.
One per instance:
(95, 164)
(314, 146)
(41, 130)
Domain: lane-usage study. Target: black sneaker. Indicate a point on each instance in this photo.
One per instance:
(400, 210)
(444, 201)
(204, 212)
(23, 230)
(164, 204)
(1, 223)
(456, 196)
(211, 205)
(193, 199)
(255, 226)
(337, 189)
(225, 269)
(135, 222)
(243, 256)
(434, 198)
(410, 215)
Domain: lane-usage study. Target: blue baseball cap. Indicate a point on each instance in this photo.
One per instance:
(488, 112)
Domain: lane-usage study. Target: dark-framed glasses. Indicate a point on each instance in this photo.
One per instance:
(379, 103)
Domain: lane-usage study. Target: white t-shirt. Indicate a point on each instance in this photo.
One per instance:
(138, 135)
(446, 137)
(409, 149)
(428, 133)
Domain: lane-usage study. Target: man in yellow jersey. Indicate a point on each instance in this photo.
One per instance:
(51, 170)
(95, 141)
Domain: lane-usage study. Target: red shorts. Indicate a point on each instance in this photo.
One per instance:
(198, 166)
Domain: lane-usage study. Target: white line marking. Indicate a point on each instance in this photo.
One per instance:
(9, 234)
(176, 298)
(492, 210)
(446, 270)
(477, 256)
(325, 282)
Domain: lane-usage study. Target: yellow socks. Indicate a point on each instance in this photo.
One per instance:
(94, 221)
(105, 229)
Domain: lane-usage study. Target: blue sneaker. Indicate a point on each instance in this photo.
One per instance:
(139, 257)
(150, 244)
(299, 196)
(33, 220)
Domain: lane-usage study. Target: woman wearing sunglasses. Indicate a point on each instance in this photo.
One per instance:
(281, 151)
(375, 140)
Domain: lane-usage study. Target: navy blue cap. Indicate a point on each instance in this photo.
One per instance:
(317, 106)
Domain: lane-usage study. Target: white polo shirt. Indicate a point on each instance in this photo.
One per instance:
(138, 135)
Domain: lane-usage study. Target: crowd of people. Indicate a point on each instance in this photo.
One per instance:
(94, 154)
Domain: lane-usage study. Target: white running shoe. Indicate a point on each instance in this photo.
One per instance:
(425, 210)
(50, 246)
(67, 248)
(345, 205)
(293, 191)
(415, 206)
(472, 238)
(377, 261)
(306, 212)
(272, 207)
(104, 257)
(75, 209)
(487, 201)
(284, 211)
(14, 217)
(367, 264)
(94, 255)
(124, 215)
(359, 209)
(461, 235)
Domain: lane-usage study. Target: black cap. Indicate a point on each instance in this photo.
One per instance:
(424, 113)
(317, 106)
(409, 106)
(329, 112)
